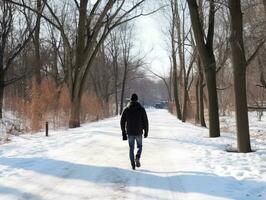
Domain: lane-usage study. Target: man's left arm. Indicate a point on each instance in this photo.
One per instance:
(145, 123)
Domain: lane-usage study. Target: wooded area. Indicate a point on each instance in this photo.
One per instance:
(222, 31)
(74, 61)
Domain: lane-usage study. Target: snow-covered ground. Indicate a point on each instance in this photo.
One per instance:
(179, 162)
(257, 127)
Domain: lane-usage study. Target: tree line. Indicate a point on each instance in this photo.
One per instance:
(212, 45)
(80, 46)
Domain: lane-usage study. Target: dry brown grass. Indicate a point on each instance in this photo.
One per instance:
(48, 102)
(91, 108)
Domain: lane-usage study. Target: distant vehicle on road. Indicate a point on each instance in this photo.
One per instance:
(161, 105)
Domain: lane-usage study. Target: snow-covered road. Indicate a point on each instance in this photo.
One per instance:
(179, 162)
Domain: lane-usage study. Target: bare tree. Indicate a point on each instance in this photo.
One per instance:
(102, 80)
(205, 50)
(13, 39)
(261, 57)
(55, 46)
(199, 95)
(222, 54)
(239, 68)
(200, 80)
(166, 80)
(113, 47)
(89, 39)
(94, 23)
(36, 41)
(130, 61)
(174, 20)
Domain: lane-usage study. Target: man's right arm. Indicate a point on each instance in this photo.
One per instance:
(123, 123)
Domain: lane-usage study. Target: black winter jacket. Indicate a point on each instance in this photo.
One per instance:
(134, 120)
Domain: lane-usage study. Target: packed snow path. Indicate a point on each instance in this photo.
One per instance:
(179, 162)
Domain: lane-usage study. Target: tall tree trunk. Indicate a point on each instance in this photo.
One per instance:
(116, 99)
(2, 83)
(185, 98)
(197, 115)
(170, 83)
(239, 71)
(201, 76)
(2, 88)
(1, 100)
(36, 41)
(175, 22)
(55, 66)
(126, 47)
(200, 91)
(181, 47)
(122, 98)
(115, 69)
(175, 88)
(201, 102)
(261, 69)
(36, 82)
(74, 120)
(107, 109)
(123, 89)
(210, 75)
(208, 60)
(76, 84)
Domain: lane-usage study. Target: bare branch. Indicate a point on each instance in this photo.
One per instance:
(33, 10)
(209, 42)
(15, 79)
(76, 3)
(254, 54)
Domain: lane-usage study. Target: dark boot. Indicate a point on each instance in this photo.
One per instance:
(133, 165)
(137, 162)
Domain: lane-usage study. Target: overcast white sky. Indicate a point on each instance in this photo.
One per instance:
(151, 40)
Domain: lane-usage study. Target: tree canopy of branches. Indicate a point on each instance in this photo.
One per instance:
(92, 22)
(15, 33)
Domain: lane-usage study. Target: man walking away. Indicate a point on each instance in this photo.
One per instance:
(133, 122)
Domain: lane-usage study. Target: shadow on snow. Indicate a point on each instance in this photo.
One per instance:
(195, 182)
(16, 192)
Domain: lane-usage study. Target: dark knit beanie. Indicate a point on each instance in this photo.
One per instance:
(134, 97)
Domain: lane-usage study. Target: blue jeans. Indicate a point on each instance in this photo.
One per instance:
(131, 142)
